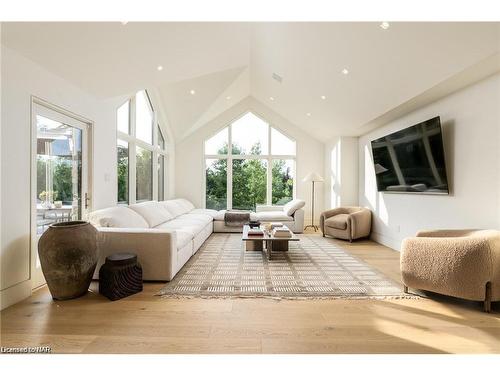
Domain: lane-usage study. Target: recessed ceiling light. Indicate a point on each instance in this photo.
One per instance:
(192, 92)
(228, 98)
(308, 114)
(345, 71)
(323, 97)
(271, 98)
(160, 68)
(384, 25)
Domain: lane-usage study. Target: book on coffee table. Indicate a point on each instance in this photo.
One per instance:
(276, 224)
(255, 232)
(282, 232)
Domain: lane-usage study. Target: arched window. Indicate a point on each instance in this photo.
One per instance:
(249, 163)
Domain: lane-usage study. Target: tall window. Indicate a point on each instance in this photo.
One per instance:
(143, 174)
(249, 163)
(161, 164)
(123, 176)
(141, 152)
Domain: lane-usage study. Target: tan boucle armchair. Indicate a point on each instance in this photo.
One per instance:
(347, 223)
(458, 263)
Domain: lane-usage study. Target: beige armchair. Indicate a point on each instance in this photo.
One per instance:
(457, 263)
(347, 223)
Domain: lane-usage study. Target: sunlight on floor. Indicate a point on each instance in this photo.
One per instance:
(427, 336)
(421, 327)
(450, 311)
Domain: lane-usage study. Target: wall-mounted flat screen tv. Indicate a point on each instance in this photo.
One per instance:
(412, 160)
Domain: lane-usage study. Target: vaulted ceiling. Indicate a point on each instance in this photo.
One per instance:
(209, 67)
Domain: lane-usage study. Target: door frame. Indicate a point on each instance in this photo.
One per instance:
(58, 113)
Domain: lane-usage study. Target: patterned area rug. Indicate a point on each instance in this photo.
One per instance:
(314, 267)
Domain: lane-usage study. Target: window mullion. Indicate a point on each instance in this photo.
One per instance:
(166, 171)
(124, 136)
(132, 172)
(269, 182)
(229, 172)
(294, 190)
(243, 157)
(154, 175)
(145, 145)
(132, 154)
(204, 170)
(154, 162)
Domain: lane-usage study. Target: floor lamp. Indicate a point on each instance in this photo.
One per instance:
(312, 177)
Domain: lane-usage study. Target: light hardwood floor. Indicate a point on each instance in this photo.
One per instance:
(144, 323)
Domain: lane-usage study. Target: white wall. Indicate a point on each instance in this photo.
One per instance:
(471, 123)
(341, 172)
(190, 159)
(22, 78)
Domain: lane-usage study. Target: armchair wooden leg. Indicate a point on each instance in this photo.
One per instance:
(405, 289)
(487, 298)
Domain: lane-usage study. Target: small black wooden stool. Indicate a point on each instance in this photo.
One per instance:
(120, 276)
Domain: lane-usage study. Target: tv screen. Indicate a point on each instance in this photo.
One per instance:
(412, 160)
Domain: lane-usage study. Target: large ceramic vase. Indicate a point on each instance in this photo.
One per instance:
(68, 254)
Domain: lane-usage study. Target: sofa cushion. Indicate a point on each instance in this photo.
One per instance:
(202, 218)
(182, 238)
(117, 217)
(153, 212)
(273, 216)
(292, 206)
(337, 221)
(188, 225)
(206, 211)
(220, 215)
(186, 205)
(174, 207)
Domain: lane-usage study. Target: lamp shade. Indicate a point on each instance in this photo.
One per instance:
(313, 176)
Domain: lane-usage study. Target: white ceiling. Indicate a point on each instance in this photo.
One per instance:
(111, 59)
(226, 62)
(183, 108)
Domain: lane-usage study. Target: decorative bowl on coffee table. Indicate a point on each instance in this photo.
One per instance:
(254, 223)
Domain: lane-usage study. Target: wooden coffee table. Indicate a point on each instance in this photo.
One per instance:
(272, 243)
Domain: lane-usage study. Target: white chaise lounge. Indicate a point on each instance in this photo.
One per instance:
(291, 214)
(164, 235)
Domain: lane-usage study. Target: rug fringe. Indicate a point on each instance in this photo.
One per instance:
(294, 298)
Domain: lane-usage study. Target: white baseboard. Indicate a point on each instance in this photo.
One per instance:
(388, 241)
(15, 294)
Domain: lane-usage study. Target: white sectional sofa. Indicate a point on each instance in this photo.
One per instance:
(164, 235)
